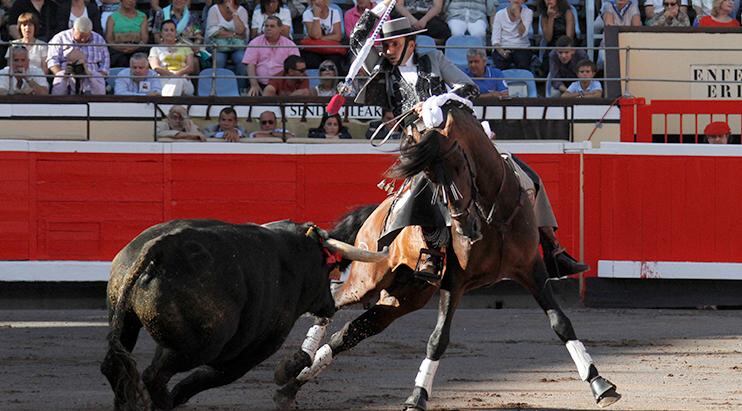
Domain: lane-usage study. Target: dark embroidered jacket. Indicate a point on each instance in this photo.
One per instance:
(387, 88)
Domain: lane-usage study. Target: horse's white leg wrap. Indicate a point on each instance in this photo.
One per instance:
(425, 375)
(582, 359)
(314, 338)
(321, 361)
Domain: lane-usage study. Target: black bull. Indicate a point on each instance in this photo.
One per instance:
(212, 294)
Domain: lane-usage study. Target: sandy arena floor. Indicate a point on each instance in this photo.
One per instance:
(498, 359)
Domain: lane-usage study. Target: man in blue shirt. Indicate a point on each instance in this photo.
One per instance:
(489, 79)
(138, 79)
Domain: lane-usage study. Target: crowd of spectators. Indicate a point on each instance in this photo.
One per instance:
(77, 43)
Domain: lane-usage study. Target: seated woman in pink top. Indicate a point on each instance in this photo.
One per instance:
(720, 15)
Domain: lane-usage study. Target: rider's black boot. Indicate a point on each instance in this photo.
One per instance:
(558, 262)
(568, 265)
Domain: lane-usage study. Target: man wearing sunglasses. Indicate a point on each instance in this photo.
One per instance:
(269, 127)
(294, 81)
(672, 13)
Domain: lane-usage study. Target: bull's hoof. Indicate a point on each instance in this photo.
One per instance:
(290, 367)
(604, 392)
(285, 398)
(418, 401)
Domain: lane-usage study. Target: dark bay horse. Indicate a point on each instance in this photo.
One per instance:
(485, 201)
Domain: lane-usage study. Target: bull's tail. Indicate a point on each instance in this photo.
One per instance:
(119, 365)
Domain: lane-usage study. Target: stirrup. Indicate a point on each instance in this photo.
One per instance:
(436, 258)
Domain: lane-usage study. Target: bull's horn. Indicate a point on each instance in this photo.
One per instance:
(354, 253)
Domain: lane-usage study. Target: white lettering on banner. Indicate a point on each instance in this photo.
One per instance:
(316, 111)
(716, 81)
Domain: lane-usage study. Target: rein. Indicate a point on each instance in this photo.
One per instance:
(397, 121)
(476, 199)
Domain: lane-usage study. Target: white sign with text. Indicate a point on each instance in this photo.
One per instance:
(716, 81)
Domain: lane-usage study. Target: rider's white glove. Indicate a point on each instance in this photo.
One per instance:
(433, 115)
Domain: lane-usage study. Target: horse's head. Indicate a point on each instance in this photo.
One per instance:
(445, 156)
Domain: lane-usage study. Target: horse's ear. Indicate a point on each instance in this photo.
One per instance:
(416, 134)
(449, 124)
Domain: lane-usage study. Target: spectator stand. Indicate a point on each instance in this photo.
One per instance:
(313, 75)
(593, 27)
(521, 83)
(425, 44)
(111, 80)
(217, 82)
(457, 46)
(548, 88)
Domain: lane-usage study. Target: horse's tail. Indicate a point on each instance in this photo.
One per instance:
(347, 228)
(119, 365)
(416, 157)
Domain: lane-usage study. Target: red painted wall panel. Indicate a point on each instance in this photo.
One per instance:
(561, 176)
(662, 208)
(86, 206)
(334, 184)
(15, 231)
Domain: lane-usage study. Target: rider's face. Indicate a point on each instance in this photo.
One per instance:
(393, 50)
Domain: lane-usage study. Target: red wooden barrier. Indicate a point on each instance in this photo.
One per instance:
(86, 206)
(644, 203)
(662, 208)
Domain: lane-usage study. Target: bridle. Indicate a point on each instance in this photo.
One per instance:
(475, 198)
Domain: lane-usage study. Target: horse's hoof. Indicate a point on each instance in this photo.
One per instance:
(418, 401)
(609, 398)
(285, 398)
(290, 367)
(604, 392)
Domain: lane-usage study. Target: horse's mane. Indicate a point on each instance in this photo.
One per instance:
(416, 157)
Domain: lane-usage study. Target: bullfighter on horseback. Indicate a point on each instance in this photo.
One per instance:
(455, 168)
(402, 80)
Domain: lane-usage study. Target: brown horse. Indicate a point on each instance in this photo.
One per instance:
(485, 201)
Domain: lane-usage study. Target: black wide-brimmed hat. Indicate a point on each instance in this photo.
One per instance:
(400, 27)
